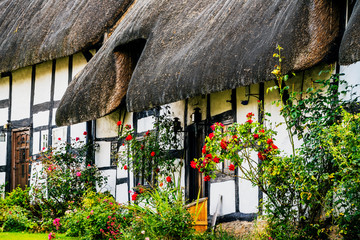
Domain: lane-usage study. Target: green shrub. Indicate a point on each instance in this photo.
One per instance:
(15, 219)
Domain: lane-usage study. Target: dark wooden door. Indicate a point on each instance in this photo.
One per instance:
(20, 158)
(196, 139)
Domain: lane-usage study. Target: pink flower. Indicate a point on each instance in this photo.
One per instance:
(231, 167)
(78, 174)
(85, 133)
(87, 217)
(168, 179)
(51, 235)
(118, 123)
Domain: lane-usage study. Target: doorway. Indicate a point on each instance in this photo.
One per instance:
(20, 158)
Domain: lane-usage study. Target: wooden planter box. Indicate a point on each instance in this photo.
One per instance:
(202, 222)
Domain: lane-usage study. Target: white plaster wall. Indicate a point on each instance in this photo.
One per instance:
(53, 123)
(61, 77)
(111, 181)
(59, 133)
(121, 173)
(41, 119)
(21, 91)
(3, 116)
(2, 181)
(107, 126)
(248, 194)
(77, 130)
(352, 77)
(252, 106)
(102, 156)
(4, 88)
(227, 190)
(122, 193)
(43, 82)
(36, 142)
(218, 102)
(3, 152)
(79, 63)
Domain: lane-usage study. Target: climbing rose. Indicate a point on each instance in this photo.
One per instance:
(269, 141)
(256, 136)
(203, 149)
(207, 178)
(119, 123)
(211, 135)
(147, 133)
(216, 159)
(250, 121)
(142, 147)
(129, 137)
(208, 156)
(274, 146)
(134, 196)
(193, 164)
(127, 126)
(261, 156)
(78, 174)
(262, 131)
(223, 144)
(168, 179)
(249, 115)
(77, 139)
(152, 154)
(59, 139)
(125, 167)
(231, 167)
(85, 133)
(51, 235)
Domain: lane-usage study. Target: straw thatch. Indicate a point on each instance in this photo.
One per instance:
(35, 31)
(197, 47)
(350, 44)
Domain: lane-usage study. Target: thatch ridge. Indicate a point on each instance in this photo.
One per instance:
(197, 47)
(35, 31)
(350, 45)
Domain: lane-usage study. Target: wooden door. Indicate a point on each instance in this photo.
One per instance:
(196, 139)
(20, 158)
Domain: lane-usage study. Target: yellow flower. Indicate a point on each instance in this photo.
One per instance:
(275, 71)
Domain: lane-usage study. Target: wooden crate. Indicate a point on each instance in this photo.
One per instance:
(201, 222)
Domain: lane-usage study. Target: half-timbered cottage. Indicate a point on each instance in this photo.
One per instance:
(210, 59)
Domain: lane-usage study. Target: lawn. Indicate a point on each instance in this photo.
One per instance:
(31, 236)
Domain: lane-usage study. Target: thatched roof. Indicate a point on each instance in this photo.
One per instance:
(196, 47)
(35, 31)
(350, 44)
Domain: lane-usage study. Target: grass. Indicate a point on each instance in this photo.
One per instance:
(31, 236)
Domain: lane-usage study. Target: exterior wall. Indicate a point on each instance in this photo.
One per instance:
(28, 99)
(352, 77)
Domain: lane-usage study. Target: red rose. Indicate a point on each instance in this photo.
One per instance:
(269, 141)
(249, 115)
(89, 165)
(85, 133)
(142, 147)
(208, 156)
(147, 133)
(259, 101)
(274, 146)
(125, 167)
(127, 126)
(193, 164)
(152, 154)
(223, 144)
(261, 156)
(119, 123)
(161, 184)
(262, 131)
(250, 121)
(168, 179)
(256, 136)
(231, 167)
(77, 139)
(203, 149)
(213, 127)
(59, 139)
(216, 159)
(211, 135)
(134, 196)
(129, 137)
(207, 178)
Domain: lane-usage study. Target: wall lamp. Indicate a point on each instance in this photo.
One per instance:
(3, 131)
